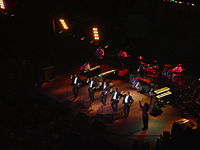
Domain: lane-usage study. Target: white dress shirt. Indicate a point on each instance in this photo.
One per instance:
(126, 99)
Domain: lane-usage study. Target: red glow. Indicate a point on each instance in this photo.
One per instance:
(188, 3)
(143, 79)
(122, 72)
(122, 54)
(140, 57)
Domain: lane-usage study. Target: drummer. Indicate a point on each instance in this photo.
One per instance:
(177, 72)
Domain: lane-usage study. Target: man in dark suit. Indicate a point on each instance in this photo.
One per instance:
(91, 88)
(76, 82)
(104, 93)
(127, 101)
(116, 95)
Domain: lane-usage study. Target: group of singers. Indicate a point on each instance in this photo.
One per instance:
(116, 96)
(105, 90)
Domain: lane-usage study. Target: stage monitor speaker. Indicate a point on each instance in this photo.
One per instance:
(155, 111)
(184, 127)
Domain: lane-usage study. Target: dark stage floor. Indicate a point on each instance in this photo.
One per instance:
(120, 131)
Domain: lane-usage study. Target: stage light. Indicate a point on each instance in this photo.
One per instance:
(64, 24)
(180, 2)
(2, 5)
(175, 1)
(192, 4)
(95, 33)
(172, 0)
(188, 3)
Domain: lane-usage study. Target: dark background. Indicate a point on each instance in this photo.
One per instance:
(154, 29)
(151, 28)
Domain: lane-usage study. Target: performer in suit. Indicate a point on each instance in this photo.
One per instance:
(104, 93)
(127, 101)
(92, 86)
(115, 99)
(76, 82)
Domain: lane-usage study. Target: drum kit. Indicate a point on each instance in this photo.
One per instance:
(170, 73)
(148, 69)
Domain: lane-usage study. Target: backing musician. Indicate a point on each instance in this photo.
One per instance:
(177, 72)
(122, 55)
(85, 68)
(141, 65)
(100, 55)
(166, 72)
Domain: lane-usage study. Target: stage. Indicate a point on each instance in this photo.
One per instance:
(124, 132)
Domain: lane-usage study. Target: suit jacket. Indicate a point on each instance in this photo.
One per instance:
(117, 96)
(76, 81)
(130, 99)
(105, 88)
(92, 85)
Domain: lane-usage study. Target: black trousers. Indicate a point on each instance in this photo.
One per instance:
(145, 121)
(91, 94)
(103, 98)
(75, 90)
(126, 109)
(114, 104)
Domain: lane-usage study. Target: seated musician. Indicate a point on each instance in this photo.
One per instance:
(177, 73)
(155, 65)
(85, 68)
(100, 55)
(122, 53)
(121, 56)
(141, 65)
(166, 72)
